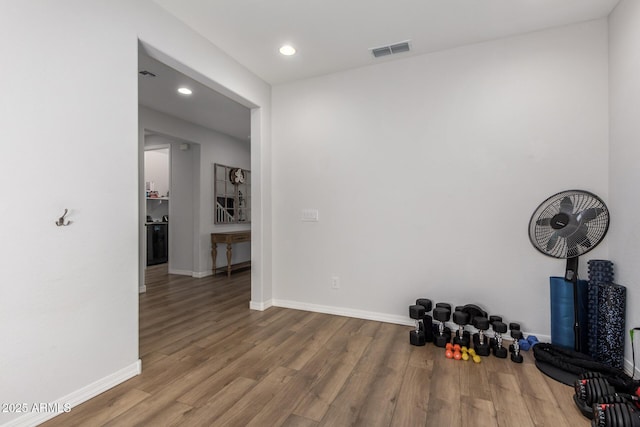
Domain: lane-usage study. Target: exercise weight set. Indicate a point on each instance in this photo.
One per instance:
(587, 318)
(448, 329)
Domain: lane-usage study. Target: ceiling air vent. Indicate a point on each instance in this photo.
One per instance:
(146, 73)
(391, 49)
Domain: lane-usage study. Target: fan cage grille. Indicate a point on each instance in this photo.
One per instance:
(575, 244)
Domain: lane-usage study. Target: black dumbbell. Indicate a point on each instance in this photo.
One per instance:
(417, 337)
(513, 326)
(436, 327)
(480, 341)
(595, 396)
(591, 388)
(427, 321)
(516, 357)
(498, 350)
(442, 314)
(492, 320)
(615, 415)
(462, 338)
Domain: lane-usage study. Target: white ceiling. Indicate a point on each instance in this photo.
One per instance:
(333, 35)
(205, 107)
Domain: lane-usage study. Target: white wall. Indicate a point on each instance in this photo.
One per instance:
(624, 172)
(425, 172)
(156, 169)
(214, 147)
(68, 299)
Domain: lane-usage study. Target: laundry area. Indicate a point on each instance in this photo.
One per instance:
(156, 177)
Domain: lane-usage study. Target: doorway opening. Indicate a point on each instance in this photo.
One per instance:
(157, 181)
(198, 131)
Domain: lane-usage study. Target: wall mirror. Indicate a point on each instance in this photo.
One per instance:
(232, 190)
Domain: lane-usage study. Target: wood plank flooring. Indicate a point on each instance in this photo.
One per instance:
(210, 361)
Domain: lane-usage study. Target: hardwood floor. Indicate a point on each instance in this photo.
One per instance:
(210, 361)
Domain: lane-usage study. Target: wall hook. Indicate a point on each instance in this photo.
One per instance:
(60, 221)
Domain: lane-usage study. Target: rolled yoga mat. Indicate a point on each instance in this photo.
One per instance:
(562, 313)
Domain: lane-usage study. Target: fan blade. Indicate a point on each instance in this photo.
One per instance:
(572, 251)
(589, 215)
(566, 206)
(581, 234)
(544, 221)
(578, 238)
(553, 240)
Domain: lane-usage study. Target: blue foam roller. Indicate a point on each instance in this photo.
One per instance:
(562, 313)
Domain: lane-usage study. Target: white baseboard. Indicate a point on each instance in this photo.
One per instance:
(180, 272)
(79, 396)
(343, 311)
(380, 317)
(194, 274)
(260, 306)
(142, 289)
(541, 337)
(201, 274)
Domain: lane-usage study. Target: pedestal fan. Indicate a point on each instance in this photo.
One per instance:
(567, 225)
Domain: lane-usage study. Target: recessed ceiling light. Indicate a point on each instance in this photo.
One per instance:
(185, 91)
(287, 50)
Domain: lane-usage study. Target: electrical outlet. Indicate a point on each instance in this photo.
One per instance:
(310, 215)
(335, 282)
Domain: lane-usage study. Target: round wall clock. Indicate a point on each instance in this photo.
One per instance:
(236, 176)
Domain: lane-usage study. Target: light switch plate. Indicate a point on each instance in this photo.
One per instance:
(310, 215)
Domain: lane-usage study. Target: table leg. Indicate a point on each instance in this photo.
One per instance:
(214, 255)
(228, 259)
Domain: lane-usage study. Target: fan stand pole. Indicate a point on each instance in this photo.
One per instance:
(571, 275)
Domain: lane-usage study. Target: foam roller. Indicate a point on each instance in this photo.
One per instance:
(609, 342)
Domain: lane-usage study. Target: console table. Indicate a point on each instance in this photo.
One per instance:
(229, 238)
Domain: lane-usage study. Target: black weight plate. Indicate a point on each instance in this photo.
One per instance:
(626, 416)
(617, 416)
